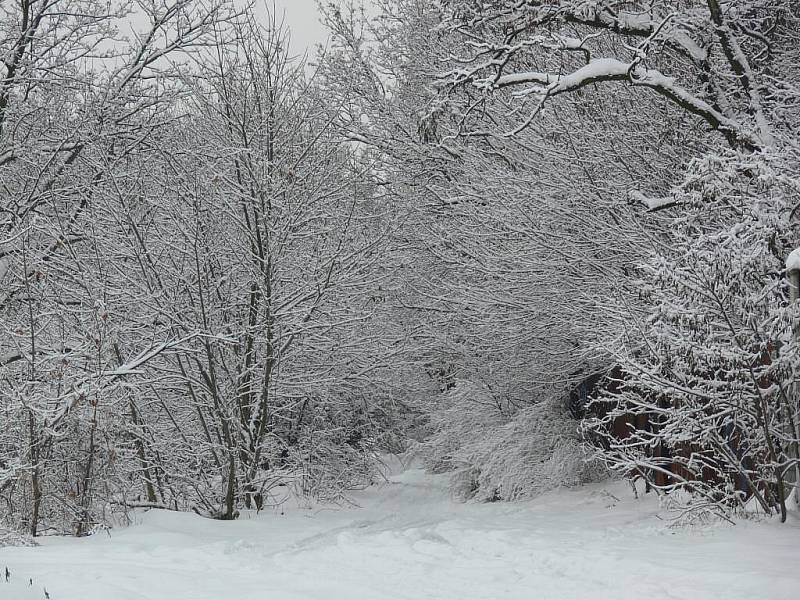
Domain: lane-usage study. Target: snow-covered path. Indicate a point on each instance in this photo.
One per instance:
(408, 540)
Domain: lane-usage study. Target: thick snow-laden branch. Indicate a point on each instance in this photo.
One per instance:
(741, 67)
(596, 15)
(132, 366)
(793, 260)
(652, 204)
(11, 154)
(601, 70)
(692, 32)
(637, 24)
(614, 19)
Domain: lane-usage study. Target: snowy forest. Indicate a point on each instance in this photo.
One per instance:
(531, 244)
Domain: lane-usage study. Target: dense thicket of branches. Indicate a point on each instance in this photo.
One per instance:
(601, 184)
(697, 319)
(190, 259)
(228, 275)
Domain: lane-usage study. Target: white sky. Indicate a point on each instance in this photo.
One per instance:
(302, 17)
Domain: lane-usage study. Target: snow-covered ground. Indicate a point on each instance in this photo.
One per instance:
(408, 539)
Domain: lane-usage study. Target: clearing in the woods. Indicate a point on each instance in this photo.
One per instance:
(408, 539)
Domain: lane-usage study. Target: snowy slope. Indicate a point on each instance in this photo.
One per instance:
(408, 540)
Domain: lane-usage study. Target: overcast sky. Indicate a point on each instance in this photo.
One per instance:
(303, 19)
(301, 16)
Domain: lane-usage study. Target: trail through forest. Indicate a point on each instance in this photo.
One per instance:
(407, 538)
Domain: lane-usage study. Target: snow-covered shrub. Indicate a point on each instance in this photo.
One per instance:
(9, 537)
(333, 451)
(327, 471)
(713, 375)
(505, 455)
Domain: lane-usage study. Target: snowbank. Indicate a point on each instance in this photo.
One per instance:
(408, 540)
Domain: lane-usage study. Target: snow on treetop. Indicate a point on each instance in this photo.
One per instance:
(793, 260)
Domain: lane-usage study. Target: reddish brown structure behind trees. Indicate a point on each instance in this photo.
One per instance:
(665, 466)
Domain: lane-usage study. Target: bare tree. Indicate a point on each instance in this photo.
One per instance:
(76, 101)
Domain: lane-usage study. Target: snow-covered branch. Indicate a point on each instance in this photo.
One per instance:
(606, 70)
